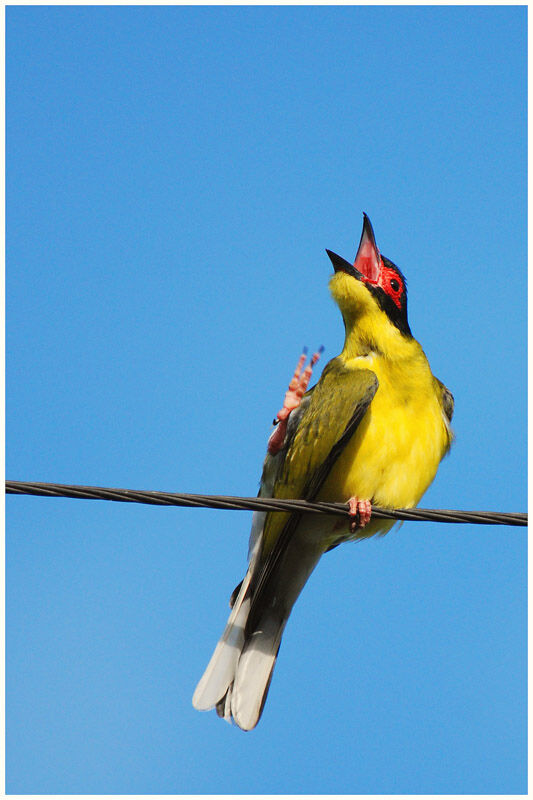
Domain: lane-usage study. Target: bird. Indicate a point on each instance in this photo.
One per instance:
(371, 431)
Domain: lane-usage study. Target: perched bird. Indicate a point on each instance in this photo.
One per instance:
(373, 430)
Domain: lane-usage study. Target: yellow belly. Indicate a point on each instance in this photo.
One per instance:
(395, 452)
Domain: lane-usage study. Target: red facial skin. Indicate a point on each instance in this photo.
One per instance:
(386, 275)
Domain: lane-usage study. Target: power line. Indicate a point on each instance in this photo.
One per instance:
(257, 503)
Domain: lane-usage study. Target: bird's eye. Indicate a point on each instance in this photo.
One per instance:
(394, 285)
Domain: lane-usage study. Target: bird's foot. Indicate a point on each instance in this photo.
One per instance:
(293, 398)
(360, 511)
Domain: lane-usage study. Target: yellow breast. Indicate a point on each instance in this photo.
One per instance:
(395, 452)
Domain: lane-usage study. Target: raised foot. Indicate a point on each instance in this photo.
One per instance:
(293, 398)
(361, 511)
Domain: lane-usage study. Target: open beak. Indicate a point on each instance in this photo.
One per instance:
(366, 266)
(341, 265)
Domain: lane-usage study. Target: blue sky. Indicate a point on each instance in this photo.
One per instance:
(174, 176)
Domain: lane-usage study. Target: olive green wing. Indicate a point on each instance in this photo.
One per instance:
(332, 411)
(446, 400)
(447, 404)
(331, 415)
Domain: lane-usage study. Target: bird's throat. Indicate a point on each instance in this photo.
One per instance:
(372, 332)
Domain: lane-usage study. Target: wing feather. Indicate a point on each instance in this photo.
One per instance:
(331, 416)
(337, 406)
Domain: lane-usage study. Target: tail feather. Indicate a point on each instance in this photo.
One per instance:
(220, 671)
(237, 678)
(223, 707)
(254, 673)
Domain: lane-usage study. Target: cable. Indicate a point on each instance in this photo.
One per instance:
(258, 503)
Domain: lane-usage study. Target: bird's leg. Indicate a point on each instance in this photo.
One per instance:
(297, 388)
(360, 511)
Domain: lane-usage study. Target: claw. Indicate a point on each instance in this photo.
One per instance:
(361, 511)
(293, 398)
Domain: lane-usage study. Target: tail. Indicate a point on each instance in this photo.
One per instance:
(238, 675)
(237, 678)
(220, 672)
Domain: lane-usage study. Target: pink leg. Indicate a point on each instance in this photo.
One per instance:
(361, 511)
(297, 388)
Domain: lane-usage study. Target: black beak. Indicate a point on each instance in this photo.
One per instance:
(341, 265)
(367, 261)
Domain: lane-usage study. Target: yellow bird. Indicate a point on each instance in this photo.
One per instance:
(372, 431)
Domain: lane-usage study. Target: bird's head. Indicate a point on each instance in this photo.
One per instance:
(371, 287)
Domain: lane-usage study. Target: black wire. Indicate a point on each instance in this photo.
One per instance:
(258, 503)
